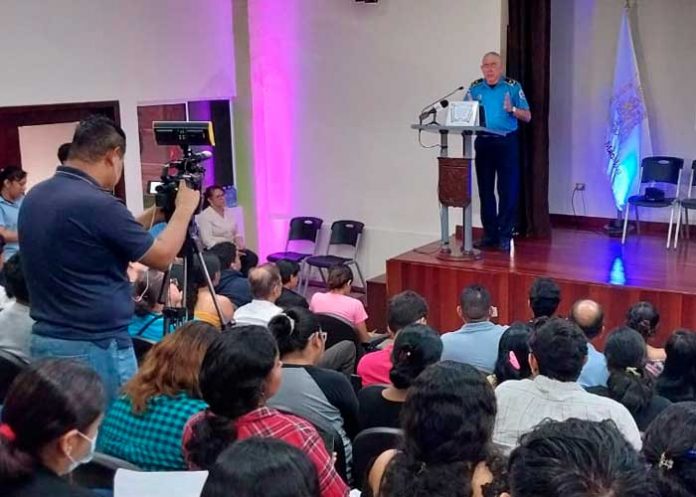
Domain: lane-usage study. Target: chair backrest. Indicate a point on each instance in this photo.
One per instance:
(304, 228)
(692, 180)
(346, 233)
(141, 346)
(100, 471)
(10, 366)
(367, 446)
(337, 329)
(661, 169)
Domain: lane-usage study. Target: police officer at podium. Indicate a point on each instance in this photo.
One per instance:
(504, 105)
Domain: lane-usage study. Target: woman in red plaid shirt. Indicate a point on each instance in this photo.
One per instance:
(240, 372)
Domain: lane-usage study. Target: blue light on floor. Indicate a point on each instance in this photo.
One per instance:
(617, 274)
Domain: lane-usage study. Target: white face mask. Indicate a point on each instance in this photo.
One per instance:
(88, 457)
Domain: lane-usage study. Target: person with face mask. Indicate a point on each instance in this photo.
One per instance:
(77, 241)
(48, 427)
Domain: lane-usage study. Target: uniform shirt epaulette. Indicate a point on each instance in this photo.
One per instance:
(510, 81)
(476, 82)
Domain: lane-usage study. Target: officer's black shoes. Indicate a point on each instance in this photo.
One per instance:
(486, 243)
(504, 245)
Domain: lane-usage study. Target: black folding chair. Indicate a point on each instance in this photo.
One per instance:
(302, 229)
(100, 471)
(658, 169)
(367, 446)
(337, 329)
(344, 234)
(142, 346)
(685, 205)
(10, 366)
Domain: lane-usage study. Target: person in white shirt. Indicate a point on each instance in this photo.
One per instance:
(266, 287)
(558, 352)
(217, 224)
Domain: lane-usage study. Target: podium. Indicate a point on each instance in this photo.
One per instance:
(454, 185)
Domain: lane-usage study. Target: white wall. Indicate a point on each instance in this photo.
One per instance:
(133, 51)
(38, 146)
(351, 78)
(583, 51)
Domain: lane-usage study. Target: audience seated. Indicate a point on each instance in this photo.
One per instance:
(402, 309)
(589, 317)
(262, 467)
(544, 297)
(338, 301)
(670, 450)
(49, 426)
(322, 396)
(15, 322)
(644, 318)
(476, 342)
(266, 287)
(241, 371)
(233, 284)
(290, 276)
(558, 351)
(577, 458)
(678, 380)
(144, 426)
(629, 383)
(416, 347)
(201, 301)
(148, 321)
(447, 421)
(513, 355)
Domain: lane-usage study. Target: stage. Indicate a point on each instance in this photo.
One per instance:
(584, 263)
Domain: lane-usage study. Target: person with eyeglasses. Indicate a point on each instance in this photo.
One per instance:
(321, 396)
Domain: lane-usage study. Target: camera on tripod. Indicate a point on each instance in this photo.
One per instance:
(185, 134)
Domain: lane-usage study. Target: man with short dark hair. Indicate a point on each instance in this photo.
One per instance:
(15, 322)
(290, 276)
(233, 284)
(402, 309)
(589, 317)
(77, 241)
(544, 297)
(266, 287)
(475, 343)
(558, 351)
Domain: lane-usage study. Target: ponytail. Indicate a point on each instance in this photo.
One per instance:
(631, 387)
(210, 435)
(14, 462)
(293, 329)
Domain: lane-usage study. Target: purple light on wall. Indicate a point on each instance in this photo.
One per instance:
(274, 78)
(200, 111)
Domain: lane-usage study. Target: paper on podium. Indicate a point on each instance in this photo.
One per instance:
(129, 483)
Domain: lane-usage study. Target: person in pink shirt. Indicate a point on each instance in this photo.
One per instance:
(338, 302)
(402, 309)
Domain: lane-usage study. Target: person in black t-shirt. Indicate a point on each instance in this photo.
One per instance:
(289, 274)
(416, 347)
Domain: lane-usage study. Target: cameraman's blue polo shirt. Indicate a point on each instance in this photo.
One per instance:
(77, 240)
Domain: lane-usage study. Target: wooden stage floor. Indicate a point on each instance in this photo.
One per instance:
(584, 263)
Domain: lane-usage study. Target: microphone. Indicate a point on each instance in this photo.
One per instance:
(428, 108)
(442, 104)
(200, 156)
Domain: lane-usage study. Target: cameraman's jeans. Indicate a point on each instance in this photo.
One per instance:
(115, 366)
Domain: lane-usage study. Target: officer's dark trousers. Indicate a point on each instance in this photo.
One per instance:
(498, 155)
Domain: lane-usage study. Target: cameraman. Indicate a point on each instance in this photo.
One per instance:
(77, 240)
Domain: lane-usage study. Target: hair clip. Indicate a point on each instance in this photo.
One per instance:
(512, 359)
(665, 462)
(633, 371)
(292, 324)
(7, 432)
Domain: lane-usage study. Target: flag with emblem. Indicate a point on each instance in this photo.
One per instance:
(628, 134)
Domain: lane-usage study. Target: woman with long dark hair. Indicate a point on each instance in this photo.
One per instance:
(447, 451)
(629, 383)
(48, 427)
(513, 355)
(240, 372)
(645, 319)
(262, 467)
(678, 380)
(200, 301)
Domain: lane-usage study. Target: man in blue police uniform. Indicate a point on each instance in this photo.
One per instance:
(504, 104)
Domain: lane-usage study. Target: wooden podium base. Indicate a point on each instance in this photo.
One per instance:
(458, 255)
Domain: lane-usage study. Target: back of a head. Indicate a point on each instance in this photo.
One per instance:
(544, 297)
(628, 383)
(513, 354)
(263, 280)
(577, 458)
(448, 422)
(212, 265)
(678, 379)
(589, 316)
(293, 328)
(416, 347)
(47, 400)
(405, 308)
(262, 467)
(287, 269)
(560, 349)
(226, 253)
(172, 365)
(146, 291)
(669, 448)
(15, 284)
(94, 137)
(644, 318)
(232, 380)
(339, 276)
(475, 302)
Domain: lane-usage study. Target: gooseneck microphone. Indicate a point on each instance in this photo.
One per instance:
(438, 104)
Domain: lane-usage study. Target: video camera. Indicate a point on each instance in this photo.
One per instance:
(188, 168)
